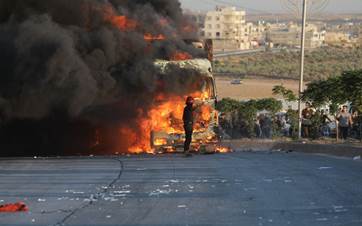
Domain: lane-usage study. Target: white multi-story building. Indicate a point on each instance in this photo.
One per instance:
(290, 35)
(227, 27)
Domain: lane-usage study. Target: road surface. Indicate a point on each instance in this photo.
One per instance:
(240, 188)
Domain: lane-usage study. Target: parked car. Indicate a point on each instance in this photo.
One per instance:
(236, 82)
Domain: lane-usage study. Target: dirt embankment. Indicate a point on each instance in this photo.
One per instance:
(251, 88)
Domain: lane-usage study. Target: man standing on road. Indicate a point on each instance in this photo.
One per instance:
(345, 121)
(188, 120)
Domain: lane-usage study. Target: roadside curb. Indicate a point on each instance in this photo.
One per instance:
(344, 150)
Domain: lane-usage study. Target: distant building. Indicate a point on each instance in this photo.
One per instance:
(227, 27)
(199, 20)
(337, 38)
(290, 35)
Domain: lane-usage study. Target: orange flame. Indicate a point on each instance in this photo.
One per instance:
(149, 37)
(123, 23)
(221, 149)
(180, 56)
(164, 116)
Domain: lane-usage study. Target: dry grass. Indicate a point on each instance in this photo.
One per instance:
(251, 88)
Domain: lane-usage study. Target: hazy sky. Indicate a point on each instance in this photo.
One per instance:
(271, 5)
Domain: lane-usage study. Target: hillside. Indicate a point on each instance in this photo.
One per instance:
(320, 63)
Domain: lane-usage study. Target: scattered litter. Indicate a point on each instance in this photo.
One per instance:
(112, 199)
(166, 186)
(288, 181)
(357, 158)
(322, 219)
(92, 198)
(108, 216)
(41, 200)
(32, 220)
(325, 167)
(339, 209)
(14, 207)
(244, 211)
(141, 169)
(160, 192)
(181, 206)
(35, 157)
(270, 220)
(174, 181)
(249, 189)
(78, 192)
(190, 186)
(122, 192)
(268, 180)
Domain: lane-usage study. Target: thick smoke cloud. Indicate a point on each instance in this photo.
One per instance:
(66, 63)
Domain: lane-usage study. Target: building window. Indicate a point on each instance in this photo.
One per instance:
(209, 26)
(218, 34)
(209, 34)
(218, 25)
(209, 18)
(217, 18)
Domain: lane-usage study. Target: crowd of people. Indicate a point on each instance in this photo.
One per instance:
(316, 123)
(346, 123)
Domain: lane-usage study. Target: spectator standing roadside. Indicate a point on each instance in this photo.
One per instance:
(266, 126)
(307, 114)
(325, 130)
(345, 122)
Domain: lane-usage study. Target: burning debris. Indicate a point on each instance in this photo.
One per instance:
(81, 74)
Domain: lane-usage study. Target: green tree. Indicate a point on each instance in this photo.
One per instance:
(287, 94)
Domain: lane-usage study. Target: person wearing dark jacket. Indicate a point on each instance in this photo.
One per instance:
(188, 120)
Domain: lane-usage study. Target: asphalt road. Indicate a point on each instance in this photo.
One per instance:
(241, 188)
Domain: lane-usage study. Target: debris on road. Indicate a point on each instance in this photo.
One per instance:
(325, 167)
(14, 207)
(357, 158)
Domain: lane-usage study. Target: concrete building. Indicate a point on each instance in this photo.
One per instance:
(337, 38)
(256, 33)
(199, 19)
(227, 27)
(290, 35)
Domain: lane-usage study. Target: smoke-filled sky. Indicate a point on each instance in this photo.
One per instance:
(353, 6)
(88, 61)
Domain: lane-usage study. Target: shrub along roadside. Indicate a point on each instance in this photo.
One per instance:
(239, 117)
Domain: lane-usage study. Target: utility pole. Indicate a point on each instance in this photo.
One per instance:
(301, 82)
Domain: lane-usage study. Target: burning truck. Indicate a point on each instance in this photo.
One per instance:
(82, 76)
(168, 134)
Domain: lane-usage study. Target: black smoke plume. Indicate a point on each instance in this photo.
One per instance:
(66, 68)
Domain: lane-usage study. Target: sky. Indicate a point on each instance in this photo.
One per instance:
(335, 6)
